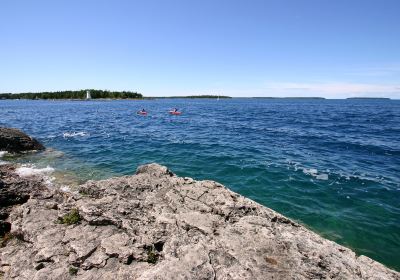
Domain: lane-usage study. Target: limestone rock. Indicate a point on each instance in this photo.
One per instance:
(155, 225)
(15, 141)
(15, 190)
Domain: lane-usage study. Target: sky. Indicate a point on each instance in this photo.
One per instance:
(327, 48)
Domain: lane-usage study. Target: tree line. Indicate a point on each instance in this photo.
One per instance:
(72, 94)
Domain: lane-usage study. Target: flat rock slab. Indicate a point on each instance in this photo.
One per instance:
(15, 141)
(155, 225)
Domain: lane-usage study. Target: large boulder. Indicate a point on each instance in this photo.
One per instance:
(14, 140)
(155, 225)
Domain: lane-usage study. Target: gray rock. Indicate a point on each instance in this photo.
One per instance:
(15, 141)
(15, 190)
(155, 225)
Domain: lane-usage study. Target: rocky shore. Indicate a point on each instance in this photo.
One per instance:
(15, 141)
(156, 225)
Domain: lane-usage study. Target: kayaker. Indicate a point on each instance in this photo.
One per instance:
(174, 112)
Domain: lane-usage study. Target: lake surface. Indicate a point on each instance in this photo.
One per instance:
(333, 165)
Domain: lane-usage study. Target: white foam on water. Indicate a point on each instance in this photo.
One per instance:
(27, 171)
(322, 176)
(75, 134)
(30, 170)
(310, 171)
(2, 153)
(314, 173)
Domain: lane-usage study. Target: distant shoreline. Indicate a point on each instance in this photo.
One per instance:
(104, 95)
(193, 97)
(368, 98)
(73, 95)
(183, 97)
(289, 97)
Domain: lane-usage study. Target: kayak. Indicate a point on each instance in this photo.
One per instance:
(175, 113)
(142, 113)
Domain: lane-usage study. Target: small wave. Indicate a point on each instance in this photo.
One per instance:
(322, 176)
(75, 134)
(30, 170)
(27, 171)
(310, 171)
(314, 173)
(2, 153)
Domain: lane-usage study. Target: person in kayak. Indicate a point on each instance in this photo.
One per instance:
(142, 112)
(175, 112)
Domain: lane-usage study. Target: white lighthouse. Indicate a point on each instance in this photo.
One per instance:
(88, 96)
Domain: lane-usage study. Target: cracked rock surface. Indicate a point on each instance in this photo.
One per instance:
(155, 225)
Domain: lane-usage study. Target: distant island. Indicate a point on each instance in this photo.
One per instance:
(270, 97)
(73, 94)
(95, 94)
(193, 96)
(384, 98)
(107, 94)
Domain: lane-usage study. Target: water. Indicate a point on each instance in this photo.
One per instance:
(332, 165)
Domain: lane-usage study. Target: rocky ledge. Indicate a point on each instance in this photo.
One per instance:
(155, 225)
(15, 141)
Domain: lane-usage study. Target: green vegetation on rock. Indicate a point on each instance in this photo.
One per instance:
(70, 218)
(73, 271)
(152, 256)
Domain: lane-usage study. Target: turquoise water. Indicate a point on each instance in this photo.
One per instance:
(332, 165)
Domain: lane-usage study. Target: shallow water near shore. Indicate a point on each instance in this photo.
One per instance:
(332, 165)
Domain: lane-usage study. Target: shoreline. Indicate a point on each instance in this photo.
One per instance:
(206, 210)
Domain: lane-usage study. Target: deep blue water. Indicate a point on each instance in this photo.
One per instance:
(332, 165)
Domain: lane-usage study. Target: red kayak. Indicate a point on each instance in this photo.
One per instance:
(175, 113)
(142, 113)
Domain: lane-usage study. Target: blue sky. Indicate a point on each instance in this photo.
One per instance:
(330, 48)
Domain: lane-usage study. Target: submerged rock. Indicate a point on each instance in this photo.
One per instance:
(155, 225)
(15, 141)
